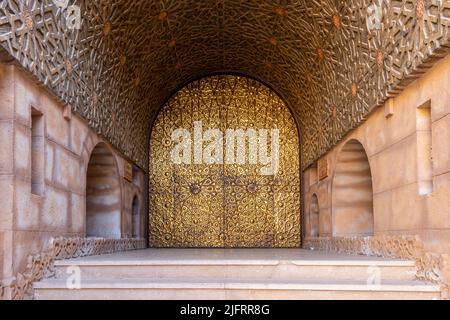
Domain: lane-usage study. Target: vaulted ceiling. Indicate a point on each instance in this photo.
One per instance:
(128, 57)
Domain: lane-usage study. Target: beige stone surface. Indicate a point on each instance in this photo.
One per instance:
(378, 131)
(6, 92)
(307, 179)
(395, 166)
(441, 149)
(436, 240)
(404, 122)
(438, 214)
(314, 217)
(1, 254)
(78, 133)
(49, 162)
(313, 178)
(68, 175)
(26, 95)
(7, 202)
(382, 208)
(325, 224)
(408, 208)
(7, 248)
(200, 291)
(323, 192)
(89, 145)
(7, 143)
(27, 207)
(22, 147)
(57, 126)
(54, 215)
(78, 214)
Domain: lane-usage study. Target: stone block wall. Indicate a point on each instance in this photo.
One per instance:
(407, 142)
(45, 151)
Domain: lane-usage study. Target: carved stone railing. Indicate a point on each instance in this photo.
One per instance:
(41, 265)
(2, 291)
(68, 248)
(431, 267)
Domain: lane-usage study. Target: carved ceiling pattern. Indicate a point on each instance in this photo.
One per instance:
(130, 56)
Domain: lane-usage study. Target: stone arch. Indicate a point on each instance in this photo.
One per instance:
(314, 220)
(136, 218)
(352, 195)
(103, 194)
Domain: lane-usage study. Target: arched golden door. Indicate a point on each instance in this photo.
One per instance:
(224, 168)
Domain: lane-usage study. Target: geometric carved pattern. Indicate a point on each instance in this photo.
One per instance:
(228, 203)
(130, 55)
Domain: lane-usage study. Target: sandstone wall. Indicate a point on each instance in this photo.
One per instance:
(43, 169)
(407, 142)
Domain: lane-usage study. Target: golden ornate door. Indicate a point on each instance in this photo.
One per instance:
(224, 168)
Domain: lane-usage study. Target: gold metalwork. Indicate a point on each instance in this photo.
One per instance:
(225, 205)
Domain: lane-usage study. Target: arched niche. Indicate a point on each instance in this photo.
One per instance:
(352, 195)
(103, 195)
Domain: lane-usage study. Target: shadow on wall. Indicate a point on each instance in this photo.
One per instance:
(314, 216)
(136, 218)
(103, 204)
(352, 196)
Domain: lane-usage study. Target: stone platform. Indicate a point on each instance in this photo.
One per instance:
(236, 274)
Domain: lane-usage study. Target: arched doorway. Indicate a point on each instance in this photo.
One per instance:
(136, 218)
(352, 196)
(314, 219)
(224, 168)
(103, 200)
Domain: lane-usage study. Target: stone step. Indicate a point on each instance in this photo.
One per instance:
(199, 289)
(244, 269)
(236, 274)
